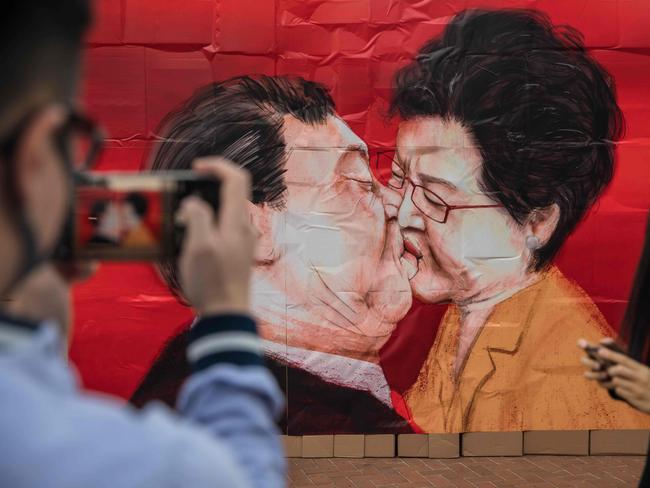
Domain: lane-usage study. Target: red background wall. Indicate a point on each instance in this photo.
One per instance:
(145, 56)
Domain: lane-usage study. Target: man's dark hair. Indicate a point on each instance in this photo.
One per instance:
(40, 45)
(542, 111)
(240, 119)
(139, 203)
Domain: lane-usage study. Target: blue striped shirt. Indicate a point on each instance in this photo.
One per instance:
(54, 435)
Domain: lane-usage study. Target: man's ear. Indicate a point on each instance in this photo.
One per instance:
(34, 149)
(264, 220)
(543, 223)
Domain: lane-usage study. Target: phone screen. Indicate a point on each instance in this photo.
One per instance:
(116, 223)
(130, 216)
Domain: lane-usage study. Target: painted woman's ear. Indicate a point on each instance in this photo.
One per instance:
(263, 219)
(543, 223)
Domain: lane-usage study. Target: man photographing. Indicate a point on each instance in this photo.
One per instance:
(52, 434)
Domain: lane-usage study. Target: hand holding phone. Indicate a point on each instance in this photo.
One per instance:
(199, 218)
(605, 364)
(625, 378)
(601, 373)
(216, 258)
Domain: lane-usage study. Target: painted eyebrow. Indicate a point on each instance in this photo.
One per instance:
(357, 148)
(424, 178)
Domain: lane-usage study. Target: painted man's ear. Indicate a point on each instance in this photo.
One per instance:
(543, 223)
(264, 219)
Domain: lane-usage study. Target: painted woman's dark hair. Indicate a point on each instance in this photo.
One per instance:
(541, 110)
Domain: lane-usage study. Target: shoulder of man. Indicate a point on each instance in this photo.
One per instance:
(316, 406)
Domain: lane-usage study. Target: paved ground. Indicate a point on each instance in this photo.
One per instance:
(528, 472)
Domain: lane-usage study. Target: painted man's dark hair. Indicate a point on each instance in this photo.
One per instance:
(97, 211)
(139, 203)
(542, 111)
(40, 46)
(240, 119)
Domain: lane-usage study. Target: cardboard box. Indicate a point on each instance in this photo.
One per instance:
(632, 442)
(493, 444)
(379, 446)
(292, 446)
(557, 442)
(317, 446)
(444, 446)
(349, 446)
(413, 445)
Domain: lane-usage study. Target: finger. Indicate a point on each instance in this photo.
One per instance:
(583, 343)
(617, 357)
(235, 189)
(596, 375)
(627, 384)
(198, 219)
(625, 393)
(590, 363)
(621, 371)
(606, 341)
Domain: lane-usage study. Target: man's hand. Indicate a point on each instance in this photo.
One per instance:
(630, 379)
(217, 255)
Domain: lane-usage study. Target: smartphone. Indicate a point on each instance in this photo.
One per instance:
(592, 352)
(130, 216)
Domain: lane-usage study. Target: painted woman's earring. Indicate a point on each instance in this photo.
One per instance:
(532, 243)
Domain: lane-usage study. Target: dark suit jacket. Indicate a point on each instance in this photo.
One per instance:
(314, 406)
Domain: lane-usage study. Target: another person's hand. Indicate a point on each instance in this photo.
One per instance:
(217, 255)
(628, 378)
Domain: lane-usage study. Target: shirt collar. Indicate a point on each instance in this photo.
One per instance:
(340, 370)
(15, 331)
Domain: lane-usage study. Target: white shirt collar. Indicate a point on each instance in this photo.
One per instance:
(340, 370)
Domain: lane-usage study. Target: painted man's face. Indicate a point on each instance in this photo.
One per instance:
(477, 252)
(341, 254)
(109, 223)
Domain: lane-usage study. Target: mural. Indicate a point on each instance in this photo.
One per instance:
(460, 193)
(328, 287)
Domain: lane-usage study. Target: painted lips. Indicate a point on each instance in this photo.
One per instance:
(411, 248)
(410, 258)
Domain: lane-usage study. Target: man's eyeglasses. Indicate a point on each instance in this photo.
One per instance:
(429, 203)
(79, 139)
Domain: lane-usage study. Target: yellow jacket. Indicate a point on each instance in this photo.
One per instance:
(139, 236)
(523, 371)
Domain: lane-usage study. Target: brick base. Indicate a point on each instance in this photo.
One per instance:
(445, 446)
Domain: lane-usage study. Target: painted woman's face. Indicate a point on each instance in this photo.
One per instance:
(479, 250)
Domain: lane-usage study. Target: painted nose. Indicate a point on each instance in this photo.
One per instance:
(391, 200)
(408, 214)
